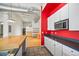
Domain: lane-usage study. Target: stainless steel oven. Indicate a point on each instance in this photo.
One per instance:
(63, 24)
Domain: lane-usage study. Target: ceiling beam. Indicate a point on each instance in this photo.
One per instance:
(12, 9)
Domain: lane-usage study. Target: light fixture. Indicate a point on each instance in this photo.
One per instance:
(10, 18)
(12, 21)
(1, 23)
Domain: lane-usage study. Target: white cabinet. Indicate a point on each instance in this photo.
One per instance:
(74, 16)
(58, 49)
(50, 23)
(57, 16)
(47, 43)
(61, 14)
(67, 51)
(52, 19)
(54, 47)
(64, 12)
(68, 11)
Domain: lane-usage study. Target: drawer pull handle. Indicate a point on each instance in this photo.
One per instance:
(71, 51)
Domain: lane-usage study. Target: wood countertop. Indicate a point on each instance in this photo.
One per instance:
(11, 42)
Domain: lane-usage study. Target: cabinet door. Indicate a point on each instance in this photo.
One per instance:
(57, 16)
(67, 51)
(74, 16)
(45, 41)
(52, 47)
(64, 12)
(58, 49)
(51, 22)
(49, 44)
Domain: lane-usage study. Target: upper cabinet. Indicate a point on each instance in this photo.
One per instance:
(64, 12)
(74, 16)
(50, 21)
(69, 11)
(57, 16)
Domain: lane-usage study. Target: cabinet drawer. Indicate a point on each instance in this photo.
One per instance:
(67, 54)
(70, 51)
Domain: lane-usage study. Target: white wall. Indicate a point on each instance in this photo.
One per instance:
(4, 18)
(36, 25)
(16, 26)
(74, 16)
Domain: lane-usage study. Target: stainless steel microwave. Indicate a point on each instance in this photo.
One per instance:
(63, 24)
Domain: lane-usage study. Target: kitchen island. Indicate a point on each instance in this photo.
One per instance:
(13, 46)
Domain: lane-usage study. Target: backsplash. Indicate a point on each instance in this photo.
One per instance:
(65, 33)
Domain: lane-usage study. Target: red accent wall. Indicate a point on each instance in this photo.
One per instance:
(68, 34)
(43, 27)
(49, 10)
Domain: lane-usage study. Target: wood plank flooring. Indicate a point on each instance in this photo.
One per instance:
(37, 51)
(33, 41)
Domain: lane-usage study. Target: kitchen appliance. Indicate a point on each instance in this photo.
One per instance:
(63, 24)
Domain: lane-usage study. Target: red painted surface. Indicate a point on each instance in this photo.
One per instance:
(68, 34)
(43, 27)
(49, 10)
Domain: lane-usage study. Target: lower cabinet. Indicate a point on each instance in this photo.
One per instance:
(54, 47)
(47, 43)
(67, 51)
(58, 49)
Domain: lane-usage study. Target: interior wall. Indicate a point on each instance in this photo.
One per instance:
(16, 26)
(3, 19)
(43, 26)
(62, 33)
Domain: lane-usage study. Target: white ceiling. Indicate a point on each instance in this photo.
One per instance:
(37, 6)
(32, 13)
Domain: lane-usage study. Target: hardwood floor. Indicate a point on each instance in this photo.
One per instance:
(34, 46)
(33, 41)
(37, 51)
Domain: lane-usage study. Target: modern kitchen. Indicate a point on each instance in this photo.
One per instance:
(39, 29)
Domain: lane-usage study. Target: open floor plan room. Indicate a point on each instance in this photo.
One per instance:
(39, 29)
